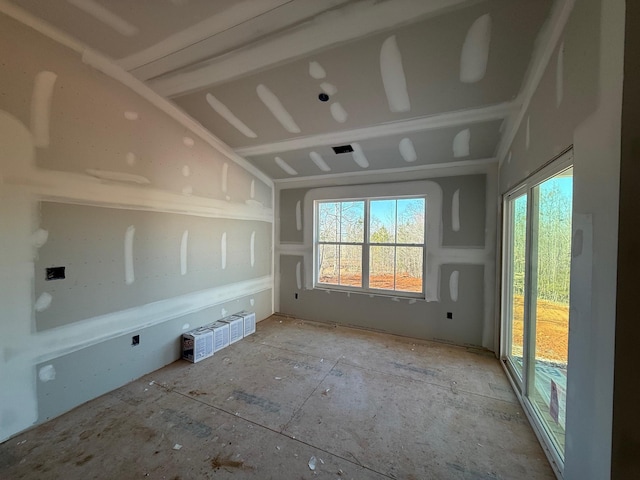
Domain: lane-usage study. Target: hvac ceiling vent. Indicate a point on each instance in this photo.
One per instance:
(342, 149)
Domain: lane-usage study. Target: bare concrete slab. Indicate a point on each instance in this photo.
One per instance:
(365, 405)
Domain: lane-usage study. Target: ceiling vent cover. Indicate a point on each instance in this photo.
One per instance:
(342, 149)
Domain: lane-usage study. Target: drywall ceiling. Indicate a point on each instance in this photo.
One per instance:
(407, 83)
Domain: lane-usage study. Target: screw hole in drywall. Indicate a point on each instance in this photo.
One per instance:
(135, 340)
(323, 97)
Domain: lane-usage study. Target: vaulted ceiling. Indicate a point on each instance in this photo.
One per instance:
(404, 83)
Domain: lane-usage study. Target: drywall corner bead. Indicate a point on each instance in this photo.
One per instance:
(47, 373)
(560, 76)
(527, 138)
(41, 107)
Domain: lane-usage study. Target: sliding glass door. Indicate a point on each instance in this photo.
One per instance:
(536, 273)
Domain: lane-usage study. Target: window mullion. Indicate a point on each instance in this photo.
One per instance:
(365, 247)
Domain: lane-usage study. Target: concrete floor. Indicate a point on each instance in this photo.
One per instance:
(366, 405)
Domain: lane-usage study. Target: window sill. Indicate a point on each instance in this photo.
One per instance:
(393, 295)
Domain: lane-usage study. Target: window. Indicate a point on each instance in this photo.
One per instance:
(371, 244)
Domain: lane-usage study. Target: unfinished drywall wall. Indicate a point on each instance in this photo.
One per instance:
(158, 231)
(578, 102)
(459, 239)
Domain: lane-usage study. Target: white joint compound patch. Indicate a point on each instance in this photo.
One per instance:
(393, 78)
(299, 275)
(407, 150)
(187, 190)
(252, 248)
(43, 302)
(186, 171)
(47, 373)
(225, 177)
(461, 143)
(560, 76)
(338, 113)
(475, 51)
(277, 109)
(453, 285)
(252, 193)
(252, 302)
(222, 110)
(188, 141)
(131, 158)
(359, 156)
(299, 215)
(129, 276)
(186, 326)
(129, 115)
(184, 242)
(316, 71)
(285, 166)
(329, 88)
(41, 107)
(118, 176)
(223, 251)
(223, 312)
(527, 134)
(455, 211)
(39, 238)
(319, 161)
(106, 17)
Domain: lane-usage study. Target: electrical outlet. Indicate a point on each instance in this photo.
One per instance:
(135, 340)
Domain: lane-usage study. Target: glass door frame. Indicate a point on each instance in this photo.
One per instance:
(522, 385)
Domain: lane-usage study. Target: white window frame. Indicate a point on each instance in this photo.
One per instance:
(521, 384)
(366, 247)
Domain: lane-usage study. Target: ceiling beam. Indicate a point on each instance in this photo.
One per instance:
(432, 122)
(236, 26)
(463, 167)
(546, 45)
(362, 18)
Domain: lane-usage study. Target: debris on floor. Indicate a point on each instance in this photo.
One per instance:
(312, 463)
(177, 446)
